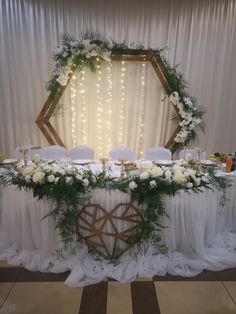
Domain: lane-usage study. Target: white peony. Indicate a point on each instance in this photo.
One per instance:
(51, 178)
(132, 185)
(156, 172)
(144, 176)
(39, 177)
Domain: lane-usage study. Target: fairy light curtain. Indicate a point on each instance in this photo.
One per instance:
(121, 104)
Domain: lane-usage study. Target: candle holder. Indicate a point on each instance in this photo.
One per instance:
(24, 151)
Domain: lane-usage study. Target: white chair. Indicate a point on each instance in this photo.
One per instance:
(155, 153)
(81, 152)
(191, 153)
(54, 152)
(122, 152)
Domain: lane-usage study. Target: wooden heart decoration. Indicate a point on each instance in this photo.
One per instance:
(109, 233)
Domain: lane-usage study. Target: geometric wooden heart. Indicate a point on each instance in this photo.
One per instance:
(109, 233)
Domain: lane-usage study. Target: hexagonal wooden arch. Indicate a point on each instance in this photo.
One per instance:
(43, 119)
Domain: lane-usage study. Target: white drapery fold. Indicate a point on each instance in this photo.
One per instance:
(200, 35)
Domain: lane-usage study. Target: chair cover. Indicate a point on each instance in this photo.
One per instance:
(82, 152)
(191, 151)
(122, 152)
(54, 152)
(155, 153)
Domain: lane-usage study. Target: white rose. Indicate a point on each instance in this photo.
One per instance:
(85, 182)
(168, 174)
(179, 178)
(79, 177)
(189, 185)
(57, 179)
(28, 171)
(27, 178)
(132, 185)
(197, 181)
(176, 167)
(144, 176)
(47, 168)
(191, 173)
(69, 180)
(153, 184)
(38, 177)
(94, 179)
(51, 178)
(156, 172)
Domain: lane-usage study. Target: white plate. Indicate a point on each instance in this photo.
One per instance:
(164, 162)
(82, 162)
(8, 161)
(208, 162)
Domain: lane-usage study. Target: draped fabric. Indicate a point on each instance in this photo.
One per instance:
(200, 36)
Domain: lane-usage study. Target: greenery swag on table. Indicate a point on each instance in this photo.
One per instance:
(70, 188)
(92, 49)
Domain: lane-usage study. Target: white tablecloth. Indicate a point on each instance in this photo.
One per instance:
(199, 234)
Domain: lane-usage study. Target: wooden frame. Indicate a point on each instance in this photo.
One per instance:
(43, 119)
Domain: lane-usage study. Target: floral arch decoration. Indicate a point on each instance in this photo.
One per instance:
(91, 50)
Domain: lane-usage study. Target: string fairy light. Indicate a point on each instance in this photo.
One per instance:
(123, 103)
(82, 115)
(99, 113)
(142, 110)
(108, 104)
(73, 95)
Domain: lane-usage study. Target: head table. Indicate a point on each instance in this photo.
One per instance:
(199, 233)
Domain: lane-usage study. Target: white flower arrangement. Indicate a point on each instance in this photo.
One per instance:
(189, 117)
(83, 50)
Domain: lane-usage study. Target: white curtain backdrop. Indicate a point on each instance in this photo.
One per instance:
(200, 36)
(121, 104)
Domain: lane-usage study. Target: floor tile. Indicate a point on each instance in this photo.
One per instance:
(119, 298)
(31, 276)
(227, 274)
(42, 298)
(4, 264)
(231, 288)
(194, 298)
(144, 298)
(5, 288)
(143, 279)
(94, 299)
(203, 276)
(9, 274)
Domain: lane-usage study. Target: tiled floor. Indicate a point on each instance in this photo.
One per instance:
(25, 292)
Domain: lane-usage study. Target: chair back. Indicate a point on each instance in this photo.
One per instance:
(122, 152)
(54, 152)
(155, 153)
(82, 152)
